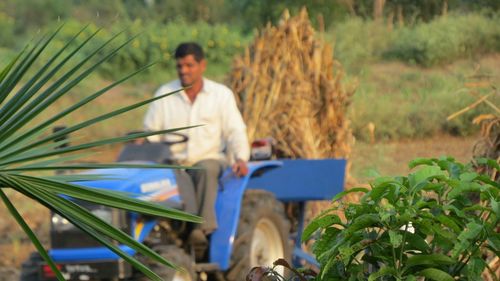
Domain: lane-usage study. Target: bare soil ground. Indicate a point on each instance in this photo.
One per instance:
(389, 158)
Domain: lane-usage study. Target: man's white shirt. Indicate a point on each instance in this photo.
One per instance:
(214, 108)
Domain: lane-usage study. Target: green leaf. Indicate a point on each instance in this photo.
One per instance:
(80, 126)
(492, 163)
(420, 161)
(15, 76)
(78, 178)
(455, 210)
(444, 233)
(89, 145)
(435, 274)
(55, 160)
(486, 179)
(475, 268)
(416, 242)
(449, 222)
(426, 173)
(495, 206)
(494, 241)
(320, 222)
(480, 208)
(106, 197)
(464, 187)
(469, 176)
(395, 238)
(383, 180)
(94, 226)
(363, 221)
(411, 278)
(36, 130)
(326, 242)
(351, 190)
(345, 253)
(391, 271)
(97, 166)
(50, 95)
(388, 189)
(449, 164)
(30, 88)
(432, 259)
(466, 238)
(6, 70)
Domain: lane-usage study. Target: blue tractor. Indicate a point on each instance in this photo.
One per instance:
(260, 218)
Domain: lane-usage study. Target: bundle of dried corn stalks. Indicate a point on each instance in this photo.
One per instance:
(288, 86)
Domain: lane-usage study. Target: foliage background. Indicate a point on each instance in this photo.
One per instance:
(432, 52)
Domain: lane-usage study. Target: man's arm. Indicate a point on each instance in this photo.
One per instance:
(235, 135)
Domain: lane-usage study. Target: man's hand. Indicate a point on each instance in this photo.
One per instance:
(240, 168)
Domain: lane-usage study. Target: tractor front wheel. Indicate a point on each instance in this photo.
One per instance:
(178, 257)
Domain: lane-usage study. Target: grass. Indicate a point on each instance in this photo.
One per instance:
(389, 158)
(405, 101)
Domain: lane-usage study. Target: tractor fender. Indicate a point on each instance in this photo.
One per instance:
(228, 208)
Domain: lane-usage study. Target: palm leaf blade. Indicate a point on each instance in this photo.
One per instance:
(108, 198)
(89, 145)
(31, 235)
(87, 123)
(82, 216)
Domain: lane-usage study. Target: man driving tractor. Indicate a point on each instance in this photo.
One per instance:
(219, 142)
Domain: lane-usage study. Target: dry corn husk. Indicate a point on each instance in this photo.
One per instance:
(289, 86)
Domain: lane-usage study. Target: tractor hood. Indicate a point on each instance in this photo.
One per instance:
(148, 184)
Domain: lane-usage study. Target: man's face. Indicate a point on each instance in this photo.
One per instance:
(189, 70)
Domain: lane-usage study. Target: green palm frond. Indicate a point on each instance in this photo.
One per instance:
(26, 148)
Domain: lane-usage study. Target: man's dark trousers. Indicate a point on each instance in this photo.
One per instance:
(206, 184)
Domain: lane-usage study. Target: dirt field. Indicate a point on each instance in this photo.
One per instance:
(385, 158)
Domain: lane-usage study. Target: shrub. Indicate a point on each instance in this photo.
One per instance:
(446, 39)
(442, 40)
(7, 26)
(359, 41)
(429, 224)
(156, 42)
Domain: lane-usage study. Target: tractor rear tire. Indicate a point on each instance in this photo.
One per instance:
(262, 237)
(178, 257)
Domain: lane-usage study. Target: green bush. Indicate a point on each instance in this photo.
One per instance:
(437, 223)
(156, 42)
(442, 40)
(7, 26)
(358, 41)
(446, 39)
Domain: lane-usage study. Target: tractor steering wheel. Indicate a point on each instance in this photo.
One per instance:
(175, 138)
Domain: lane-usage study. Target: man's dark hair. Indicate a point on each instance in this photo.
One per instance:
(189, 48)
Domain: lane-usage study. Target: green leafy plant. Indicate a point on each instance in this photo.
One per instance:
(27, 149)
(437, 223)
